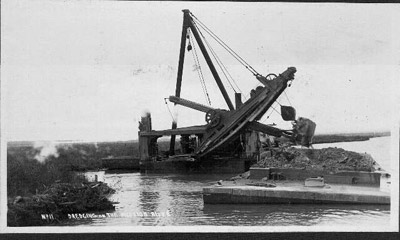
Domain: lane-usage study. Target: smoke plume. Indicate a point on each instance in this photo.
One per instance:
(47, 149)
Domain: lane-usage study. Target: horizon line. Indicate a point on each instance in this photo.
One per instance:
(136, 139)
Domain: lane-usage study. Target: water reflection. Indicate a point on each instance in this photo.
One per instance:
(176, 200)
(139, 195)
(149, 199)
(290, 215)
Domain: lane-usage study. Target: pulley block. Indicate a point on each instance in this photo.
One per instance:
(271, 76)
(213, 118)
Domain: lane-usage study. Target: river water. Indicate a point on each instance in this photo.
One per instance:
(176, 200)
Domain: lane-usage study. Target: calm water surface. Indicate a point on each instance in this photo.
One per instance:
(176, 200)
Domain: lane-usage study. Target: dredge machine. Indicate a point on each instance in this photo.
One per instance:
(228, 142)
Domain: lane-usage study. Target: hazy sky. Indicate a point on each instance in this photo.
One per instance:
(87, 70)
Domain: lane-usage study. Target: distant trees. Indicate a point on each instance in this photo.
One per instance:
(26, 175)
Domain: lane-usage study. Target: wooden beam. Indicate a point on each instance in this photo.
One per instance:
(180, 70)
(190, 104)
(177, 131)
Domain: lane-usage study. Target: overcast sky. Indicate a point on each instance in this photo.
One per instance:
(87, 70)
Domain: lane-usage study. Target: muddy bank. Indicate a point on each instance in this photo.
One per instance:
(326, 159)
(57, 201)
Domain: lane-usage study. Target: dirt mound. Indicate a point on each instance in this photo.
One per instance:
(326, 159)
(244, 175)
(58, 200)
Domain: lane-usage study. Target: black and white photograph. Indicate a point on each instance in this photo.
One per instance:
(174, 116)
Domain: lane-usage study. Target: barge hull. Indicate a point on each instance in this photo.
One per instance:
(338, 194)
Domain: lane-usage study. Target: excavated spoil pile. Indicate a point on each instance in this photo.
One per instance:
(326, 159)
(59, 200)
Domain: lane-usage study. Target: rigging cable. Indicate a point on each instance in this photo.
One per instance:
(275, 110)
(287, 98)
(169, 110)
(223, 68)
(224, 45)
(217, 60)
(197, 23)
(270, 113)
(199, 71)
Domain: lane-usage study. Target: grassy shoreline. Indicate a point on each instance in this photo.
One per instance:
(43, 190)
(58, 202)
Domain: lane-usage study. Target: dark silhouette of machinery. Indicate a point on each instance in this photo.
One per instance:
(228, 133)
